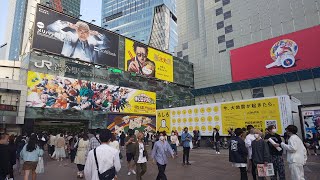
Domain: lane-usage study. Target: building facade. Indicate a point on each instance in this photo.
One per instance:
(153, 22)
(209, 31)
(70, 7)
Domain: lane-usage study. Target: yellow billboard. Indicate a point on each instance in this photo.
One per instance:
(144, 60)
(260, 113)
(164, 121)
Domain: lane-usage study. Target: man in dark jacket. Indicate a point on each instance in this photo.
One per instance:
(238, 153)
(216, 139)
(4, 155)
(276, 156)
(260, 151)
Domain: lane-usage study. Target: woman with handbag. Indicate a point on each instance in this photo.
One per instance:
(30, 155)
(140, 157)
(80, 159)
(174, 142)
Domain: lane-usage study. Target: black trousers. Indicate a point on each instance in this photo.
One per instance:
(161, 174)
(254, 170)
(186, 152)
(80, 167)
(51, 150)
(243, 173)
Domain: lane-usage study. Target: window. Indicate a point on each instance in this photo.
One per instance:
(227, 15)
(179, 54)
(219, 11)
(228, 29)
(221, 39)
(184, 46)
(257, 93)
(222, 51)
(186, 58)
(230, 43)
(220, 25)
(216, 1)
(225, 2)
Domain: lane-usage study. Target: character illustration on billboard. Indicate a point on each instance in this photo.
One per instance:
(119, 123)
(140, 63)
(283, 53)
(78, 40)
(51, 91)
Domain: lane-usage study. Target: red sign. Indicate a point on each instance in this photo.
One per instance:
(283, 54)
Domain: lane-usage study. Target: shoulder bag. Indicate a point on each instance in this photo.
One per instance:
(108, 174)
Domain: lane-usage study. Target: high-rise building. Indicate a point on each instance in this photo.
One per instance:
(153, 22)
(209, 31)
(70, 7)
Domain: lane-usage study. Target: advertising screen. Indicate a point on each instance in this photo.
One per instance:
(283, 54)
(52, 91)
(311, 121)
(144, 60)
(70, 37)
(123, 122)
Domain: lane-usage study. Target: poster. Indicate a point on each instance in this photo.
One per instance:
(124, 122)
(149, 62)
(311, 122)
(51, 91)
(163, 121)
(61, 34)
(259, 113)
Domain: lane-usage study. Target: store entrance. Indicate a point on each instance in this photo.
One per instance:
(60, 126)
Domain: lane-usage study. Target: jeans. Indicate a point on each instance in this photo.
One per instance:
(217, 145)
(161, 174)
(174, 147)
(279, 169)
(73, 153)
(141, 170)
(243, 172)
(186, 152)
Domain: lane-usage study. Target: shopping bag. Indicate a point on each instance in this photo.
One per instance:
(177, 143)
(40, 166)
(265, 170)
(191, 145)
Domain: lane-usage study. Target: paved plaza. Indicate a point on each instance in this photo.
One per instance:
(206, 165)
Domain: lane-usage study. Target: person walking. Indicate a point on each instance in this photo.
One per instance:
(114, 143)
(174, 142)
(276, 155)
(73, 142)
(260, 151)
(248, 140)
(122, 137)
(216, 139)
(102, 160)
(140, 157)
(51, 143)
(130, 148)
(159, 155)
(30, 155)
(60, 148)
(186, 138)
(80, 159)
(20, 142)
(296, 153)
(94, 141)
(13, 156)
(4, 156)
(238, 153)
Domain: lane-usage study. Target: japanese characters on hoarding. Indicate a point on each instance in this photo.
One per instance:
(61, 34)
(260, 113)
(311, 121)
(144, 60)
(288, 53)
(52, 91)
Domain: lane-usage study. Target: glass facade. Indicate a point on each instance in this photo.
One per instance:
(17, 30)
(141, 20)
(70, 7)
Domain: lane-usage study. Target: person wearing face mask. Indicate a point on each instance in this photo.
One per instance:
(248, 141)
(276, 156)
(260, 151)
(296, 153)
(186, 138)
(4, 155)
(140, 157)
(174, 141)
(159, 155)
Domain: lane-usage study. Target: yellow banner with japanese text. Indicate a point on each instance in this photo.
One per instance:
(164, 121)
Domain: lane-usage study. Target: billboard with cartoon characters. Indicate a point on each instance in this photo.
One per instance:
(124, 122)
(288, 53)
(52, 91)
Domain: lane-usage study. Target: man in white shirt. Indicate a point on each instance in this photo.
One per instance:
(249, 138)
(107, 158)
(296, 153)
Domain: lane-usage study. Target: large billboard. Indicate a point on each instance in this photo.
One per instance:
(146, 61)
(283, 54)
(311, 121)
(70, 37)
(52, 91)
(124, 122)
(238, 114)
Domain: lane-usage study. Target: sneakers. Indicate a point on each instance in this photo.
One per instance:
(218, 152)
(129, 173)
(133, 172)
(188, 163)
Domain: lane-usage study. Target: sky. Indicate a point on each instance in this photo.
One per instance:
(90, 10)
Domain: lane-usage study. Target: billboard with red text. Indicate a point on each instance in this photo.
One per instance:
(288, 53)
